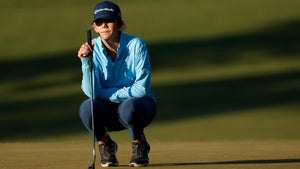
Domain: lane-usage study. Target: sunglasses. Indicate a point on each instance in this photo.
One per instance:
(99, 22)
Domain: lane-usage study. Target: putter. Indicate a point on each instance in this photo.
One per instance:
(90, 55)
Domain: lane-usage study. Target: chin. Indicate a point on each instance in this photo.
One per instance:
(105, 37)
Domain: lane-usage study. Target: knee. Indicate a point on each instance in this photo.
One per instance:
(128, 110)
(129, 106)
(85, 110)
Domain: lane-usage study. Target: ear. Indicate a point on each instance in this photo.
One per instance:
(121, 24)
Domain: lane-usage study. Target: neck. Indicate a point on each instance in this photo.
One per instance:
(112, 43)
(111, 48)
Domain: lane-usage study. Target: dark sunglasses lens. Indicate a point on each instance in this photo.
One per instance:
(99, 22)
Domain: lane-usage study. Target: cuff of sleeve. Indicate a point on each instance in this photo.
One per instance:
(85, 62)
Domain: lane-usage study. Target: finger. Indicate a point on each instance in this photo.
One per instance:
(83, 52)
(83, 55)
(89, 47)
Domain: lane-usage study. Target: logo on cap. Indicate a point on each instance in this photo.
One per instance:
(103, 9)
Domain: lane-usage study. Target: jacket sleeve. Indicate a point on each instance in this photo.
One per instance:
(141, 84)
(86, 80)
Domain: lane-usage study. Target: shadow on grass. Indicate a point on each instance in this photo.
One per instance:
(282, 40)
(44, 117)
(260, 161)
(220, 96)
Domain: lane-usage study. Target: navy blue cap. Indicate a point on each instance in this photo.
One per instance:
(107, 10)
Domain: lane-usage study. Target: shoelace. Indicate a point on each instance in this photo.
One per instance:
(138, 149)
(107, 150)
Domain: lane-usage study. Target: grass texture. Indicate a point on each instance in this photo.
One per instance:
(226, 75)
(220, 70)
(164, 155)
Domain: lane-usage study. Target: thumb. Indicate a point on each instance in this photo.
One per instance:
(90, 47)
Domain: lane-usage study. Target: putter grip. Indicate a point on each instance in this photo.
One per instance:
(89, 41)
(89, 37)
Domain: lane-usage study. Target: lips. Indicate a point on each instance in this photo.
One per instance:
(104, 32)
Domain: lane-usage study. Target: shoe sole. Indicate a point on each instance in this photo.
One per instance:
(132, 164)
(137, 165)
(109, 164)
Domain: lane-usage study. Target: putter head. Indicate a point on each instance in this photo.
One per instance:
(92, 166)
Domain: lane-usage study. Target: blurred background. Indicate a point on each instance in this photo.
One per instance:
(220, 69)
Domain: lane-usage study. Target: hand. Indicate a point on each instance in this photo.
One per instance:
(84, 50)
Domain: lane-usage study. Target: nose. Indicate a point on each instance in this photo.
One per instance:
(104, 25)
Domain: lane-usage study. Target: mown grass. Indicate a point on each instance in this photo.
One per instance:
(226, 75)
(164, 155)
(220, 70)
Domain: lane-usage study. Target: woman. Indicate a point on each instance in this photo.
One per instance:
(123, 97)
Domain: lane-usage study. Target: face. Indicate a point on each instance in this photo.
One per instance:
(108, 30)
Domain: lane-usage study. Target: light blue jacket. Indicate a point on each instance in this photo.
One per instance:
(128, 76)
